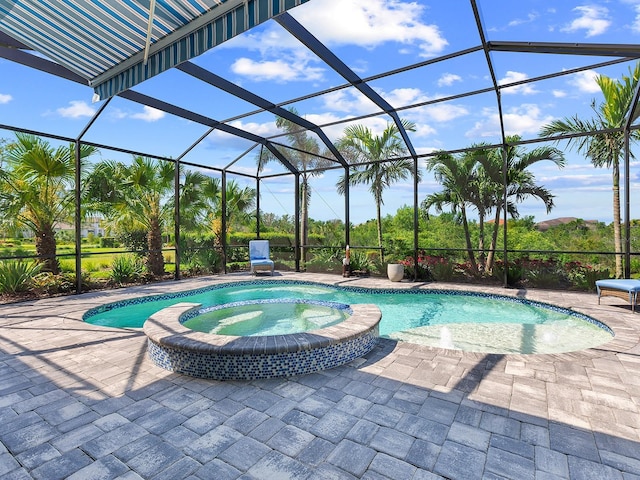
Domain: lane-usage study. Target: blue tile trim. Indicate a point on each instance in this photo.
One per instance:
(221, 366)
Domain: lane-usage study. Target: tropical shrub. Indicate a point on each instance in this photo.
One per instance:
(325, 260)
(515, 272)
(199, 253)
(48, 283)
(127, 269)
(584, 277)
(359, 261)
(17, 276)
(133, 239)
(107, 242)
(419, 271)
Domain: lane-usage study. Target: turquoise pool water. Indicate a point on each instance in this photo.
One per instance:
(457, 320)
(264, 317)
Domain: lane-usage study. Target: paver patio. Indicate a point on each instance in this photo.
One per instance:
(84, 402)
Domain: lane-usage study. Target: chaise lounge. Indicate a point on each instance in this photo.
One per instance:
(259, 256)
(627, 289)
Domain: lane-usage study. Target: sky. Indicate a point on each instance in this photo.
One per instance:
(371, 37)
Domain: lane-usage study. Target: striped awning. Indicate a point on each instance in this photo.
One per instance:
(105, 41)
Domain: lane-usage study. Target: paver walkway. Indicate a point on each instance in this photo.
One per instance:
(84, 402)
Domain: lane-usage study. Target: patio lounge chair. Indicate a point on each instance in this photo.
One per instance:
(626, 289)
(259, 256)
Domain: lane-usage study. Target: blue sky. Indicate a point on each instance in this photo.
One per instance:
(371, 37)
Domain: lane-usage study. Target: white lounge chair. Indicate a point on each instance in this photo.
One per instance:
(259, 256)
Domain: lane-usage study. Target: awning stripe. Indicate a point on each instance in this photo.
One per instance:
(48, 46)
(197, 42)
(104, 41)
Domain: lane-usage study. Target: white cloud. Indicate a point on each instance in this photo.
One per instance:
(585, 81)
(400, 97)
(369, 23)
(519, 21)
(559, 93)
(349, 101)
(333, 131)
(219, 139)
(276, 70)
(149, 114)
(448, 79)
(261, 129)
(635, 26)
(5, 98)
(445, 112)
(525, 119)
(599, 179)
(424, 130)
(512, 77)
(592, 18)
(76, 109)
(364, 23)
(117, 114)
(353, 103)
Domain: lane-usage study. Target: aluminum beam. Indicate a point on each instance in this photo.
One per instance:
(239, 92)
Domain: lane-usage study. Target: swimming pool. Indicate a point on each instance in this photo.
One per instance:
(447, 319)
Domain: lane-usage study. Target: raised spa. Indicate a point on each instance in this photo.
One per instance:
(175, 347)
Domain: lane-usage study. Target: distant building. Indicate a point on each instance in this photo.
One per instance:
(547, 224)
(90, 225)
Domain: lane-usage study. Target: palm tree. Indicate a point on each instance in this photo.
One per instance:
(37, 190)
(520, 182)
(201, 204)
(135, 197)
(607, 148)
(359, 145)
(239, 204)
(458, 176)
(196, 193)
(305, 157)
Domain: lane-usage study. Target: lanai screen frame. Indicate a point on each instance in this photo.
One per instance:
(11, 49)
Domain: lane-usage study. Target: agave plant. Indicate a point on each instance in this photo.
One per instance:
(17, 276)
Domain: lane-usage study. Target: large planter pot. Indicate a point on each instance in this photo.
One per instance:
(395, 272)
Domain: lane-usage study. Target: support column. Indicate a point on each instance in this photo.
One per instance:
(78, 218)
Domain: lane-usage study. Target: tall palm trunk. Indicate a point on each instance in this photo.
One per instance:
(481, 258)
(494, 241)
(617, 230)
(46, 248)
(379, 221)
(467, 235)
(155, 260)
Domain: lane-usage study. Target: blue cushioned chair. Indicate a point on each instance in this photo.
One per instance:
(259, 256)
(626, 289)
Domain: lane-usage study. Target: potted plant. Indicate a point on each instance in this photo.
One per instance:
(395, 269)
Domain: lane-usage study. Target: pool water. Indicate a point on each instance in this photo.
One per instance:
(258, 318)
(456, 320)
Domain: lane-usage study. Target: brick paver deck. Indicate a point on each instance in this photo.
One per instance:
(84, 402)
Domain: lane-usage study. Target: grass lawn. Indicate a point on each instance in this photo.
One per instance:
(96, 260)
